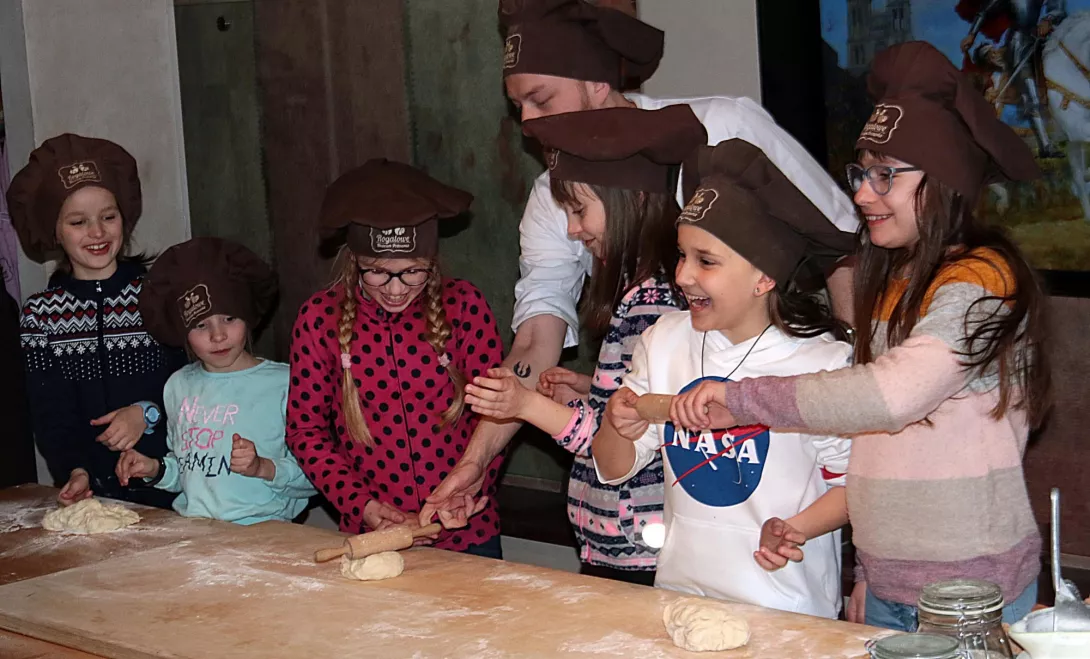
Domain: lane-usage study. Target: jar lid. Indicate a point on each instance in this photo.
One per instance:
(916, 646)
(963, 597)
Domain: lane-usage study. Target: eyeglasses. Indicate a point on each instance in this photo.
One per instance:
(410, 277)
(880, 177)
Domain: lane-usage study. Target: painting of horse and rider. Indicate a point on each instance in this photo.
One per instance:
(1029, 58)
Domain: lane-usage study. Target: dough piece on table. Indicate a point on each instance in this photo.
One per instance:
(384, 565)
(704, 626)
(89, 516)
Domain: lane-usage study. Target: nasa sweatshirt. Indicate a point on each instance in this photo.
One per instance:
(721, 485)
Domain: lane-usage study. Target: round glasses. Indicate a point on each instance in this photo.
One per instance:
(880, 177)
(411, 277)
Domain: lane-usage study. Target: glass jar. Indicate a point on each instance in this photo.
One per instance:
(914, 646)
(970, 611)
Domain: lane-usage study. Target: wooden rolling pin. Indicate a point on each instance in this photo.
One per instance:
(654, 408)
(360, 546)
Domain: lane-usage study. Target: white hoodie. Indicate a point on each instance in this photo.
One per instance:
(714, 513)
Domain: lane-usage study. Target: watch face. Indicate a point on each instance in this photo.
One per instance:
(151, 415)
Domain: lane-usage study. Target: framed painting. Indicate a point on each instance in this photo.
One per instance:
(1029, 58)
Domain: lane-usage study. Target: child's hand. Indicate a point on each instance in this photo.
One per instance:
(621, 414)
(702, 407)
(857, 604)
(379, 516)
(76, 489)
(246, 461)
(500, 395)
(132, 464)
(562, 385)
(126, 427)
(780, 543)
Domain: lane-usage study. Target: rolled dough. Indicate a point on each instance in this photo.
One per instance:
(384, 565)
(89, 516)
(704, 626)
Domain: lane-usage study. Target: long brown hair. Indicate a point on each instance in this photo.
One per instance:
(1009, 340)
(803, 314)
(639, 242)
(437, 334)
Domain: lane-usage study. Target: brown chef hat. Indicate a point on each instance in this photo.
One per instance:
(203, 277)
(391, 209)
(744, 200)
(929, 115)
(578, 40)
(59, 167)
(619, 147)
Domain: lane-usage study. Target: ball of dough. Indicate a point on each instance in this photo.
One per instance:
(89, 516)
(384, 565)
(704, 626)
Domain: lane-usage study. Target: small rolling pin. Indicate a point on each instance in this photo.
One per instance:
(361, 546)
(654, 408)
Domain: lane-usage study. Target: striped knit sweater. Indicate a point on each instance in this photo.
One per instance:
(935, 484)
(607, 519)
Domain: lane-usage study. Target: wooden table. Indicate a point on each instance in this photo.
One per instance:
(227, 591)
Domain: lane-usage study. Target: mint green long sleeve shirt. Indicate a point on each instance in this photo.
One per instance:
(204, 411)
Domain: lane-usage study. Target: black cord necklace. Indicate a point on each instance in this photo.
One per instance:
(704, 342)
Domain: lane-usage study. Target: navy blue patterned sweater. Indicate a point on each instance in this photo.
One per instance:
(86, 354)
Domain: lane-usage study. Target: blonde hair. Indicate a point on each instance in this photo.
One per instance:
(437, 334)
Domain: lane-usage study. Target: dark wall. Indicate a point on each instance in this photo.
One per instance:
(331, 78)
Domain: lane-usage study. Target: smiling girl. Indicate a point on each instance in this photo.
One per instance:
(613, 171)
(377, 414)
(226, 429)
(94, 375)
(752, 248)
(950, 372)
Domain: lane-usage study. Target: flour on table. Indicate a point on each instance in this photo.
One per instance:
(704, 626)
(384, 565)
(89, 516)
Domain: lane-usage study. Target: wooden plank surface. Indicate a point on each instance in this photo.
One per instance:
(17, 646)
(255, 592)
(27, 550)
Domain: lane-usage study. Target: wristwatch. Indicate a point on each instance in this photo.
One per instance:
(151, 415)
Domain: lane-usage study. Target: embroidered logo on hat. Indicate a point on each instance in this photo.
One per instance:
(79, 172)
(397, 239)
(194, 303)
(883, 121)
(699, 205)
(552, 156)
(511, 49)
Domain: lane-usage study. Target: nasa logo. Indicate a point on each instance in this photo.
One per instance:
(717, 467)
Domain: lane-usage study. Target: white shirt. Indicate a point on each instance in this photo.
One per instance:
(721, 486)
(552, 266)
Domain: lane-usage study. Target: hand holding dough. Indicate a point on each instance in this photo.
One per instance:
(89, 516)
(385, 565)
(704, 626)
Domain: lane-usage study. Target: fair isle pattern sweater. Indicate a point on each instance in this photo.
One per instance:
(87, 353)
(608, 519)
(935, 484)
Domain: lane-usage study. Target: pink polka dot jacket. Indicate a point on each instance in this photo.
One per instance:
(403, 393)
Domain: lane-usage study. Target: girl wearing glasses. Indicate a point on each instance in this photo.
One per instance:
(376, 413)
(949, 375)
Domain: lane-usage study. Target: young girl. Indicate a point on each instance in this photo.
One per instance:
(226, 410)
(94, 375)
(376, 415)
(950, 374)
(750, 245)
(617, 190)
